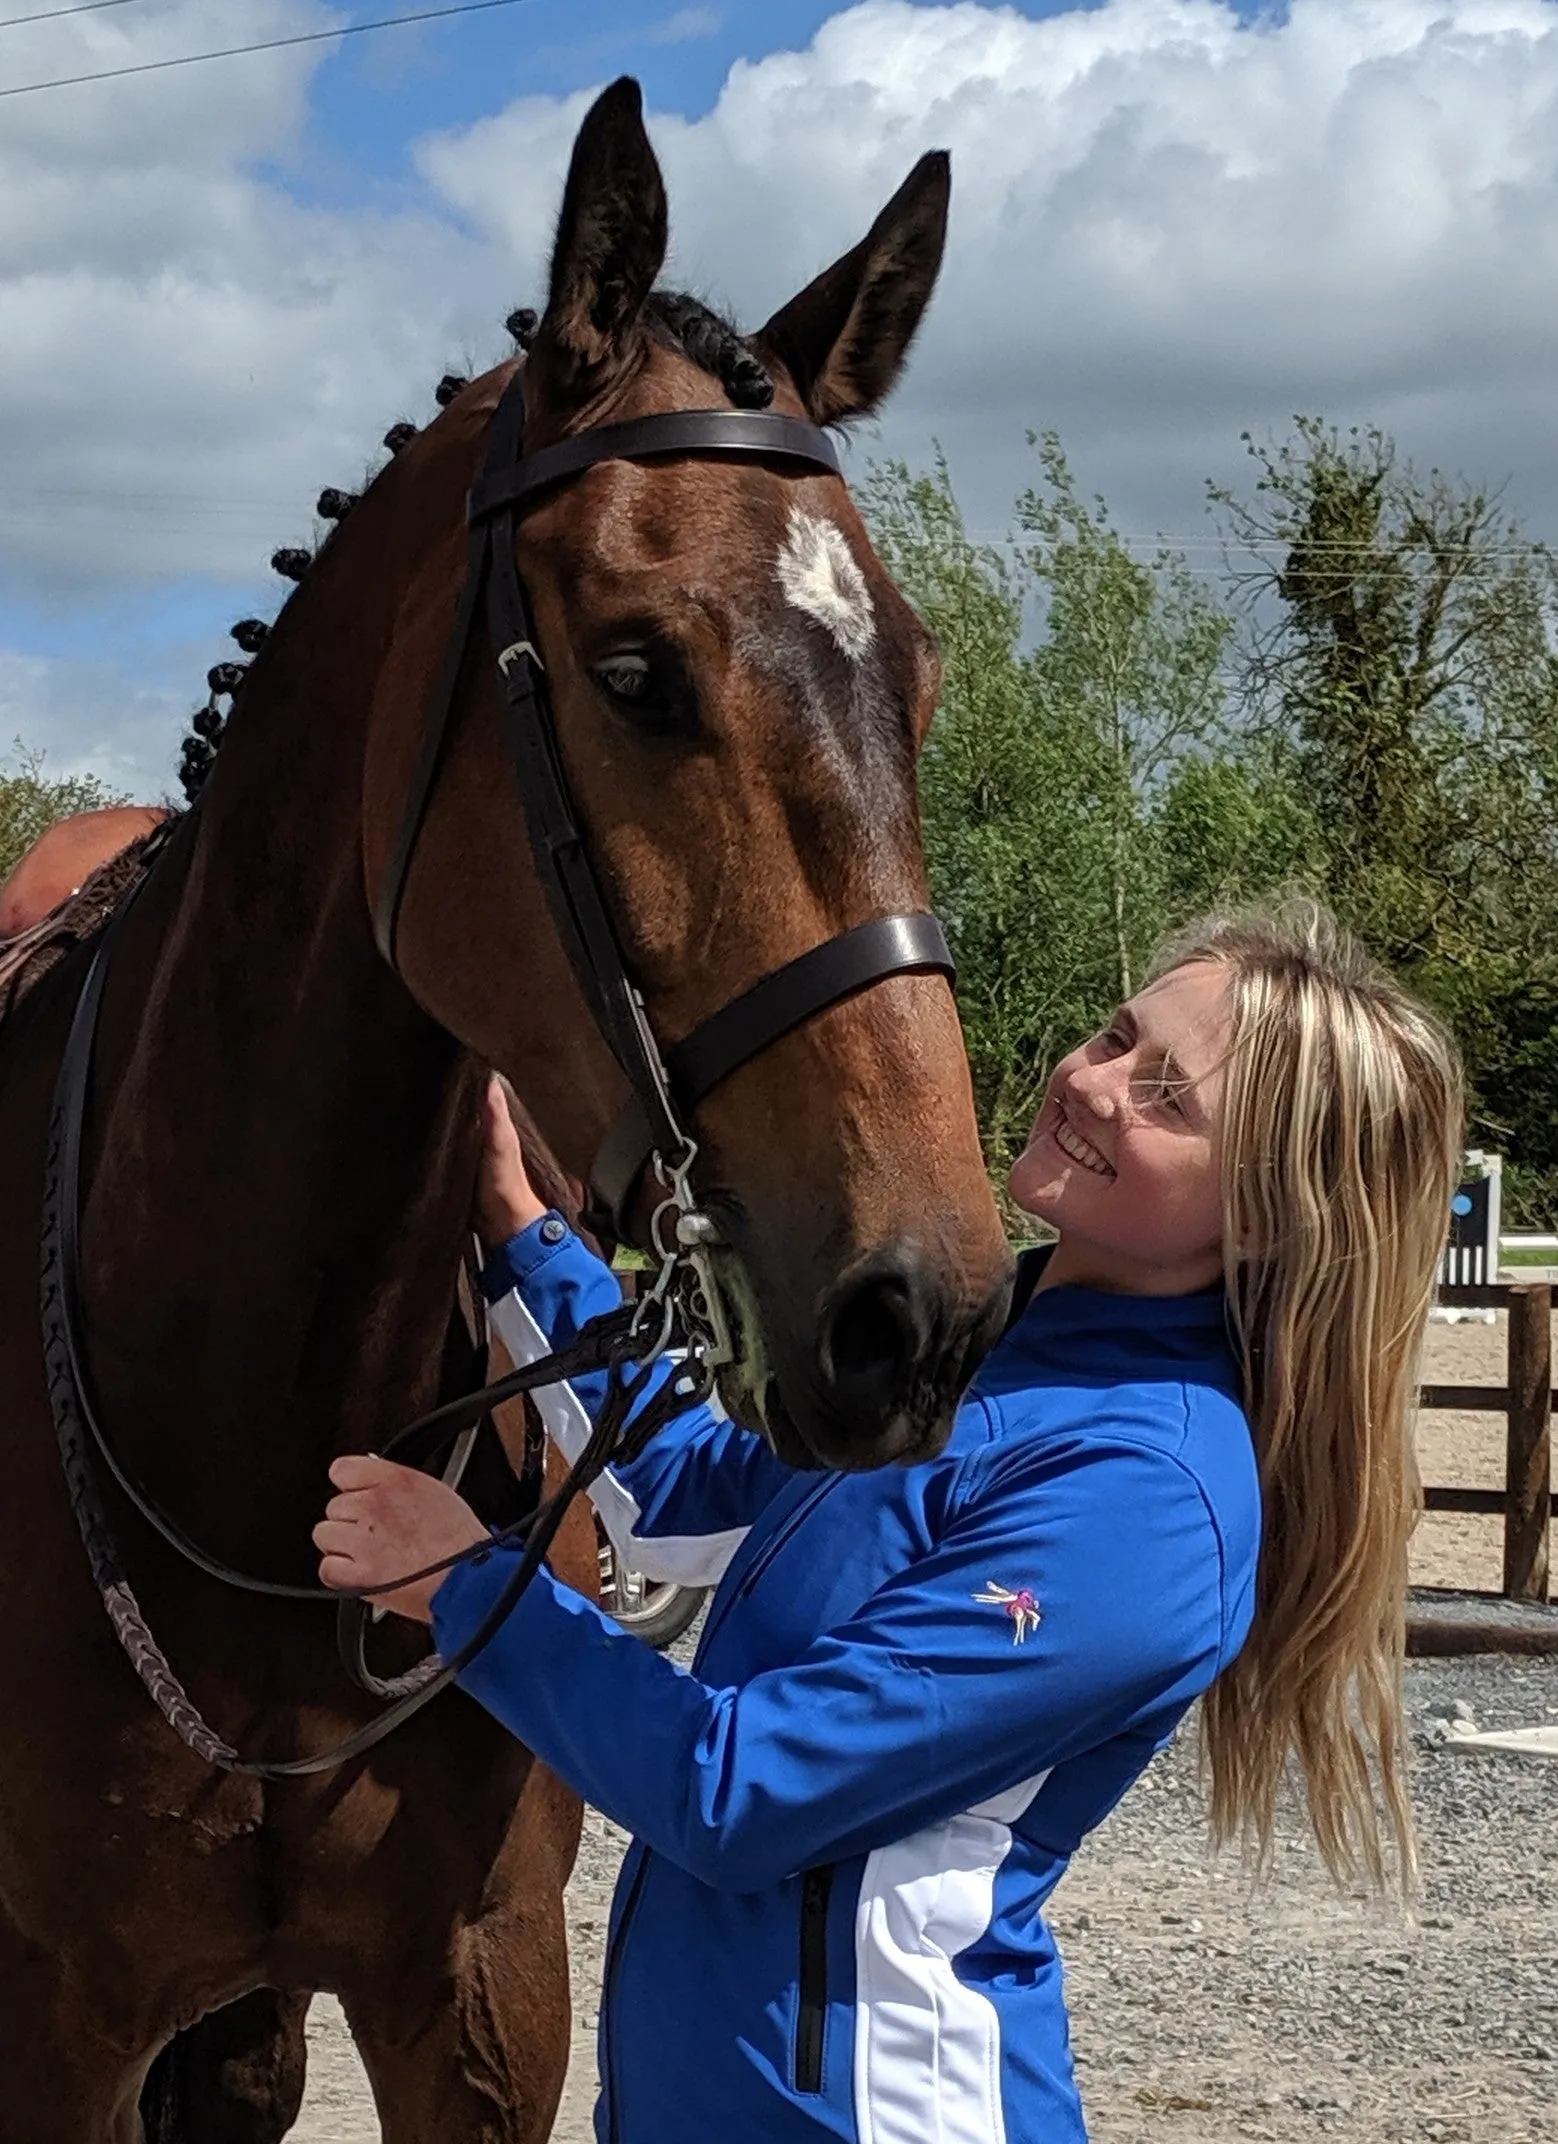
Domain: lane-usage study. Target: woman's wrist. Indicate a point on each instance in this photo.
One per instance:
(507, 1202)
(500, 1221)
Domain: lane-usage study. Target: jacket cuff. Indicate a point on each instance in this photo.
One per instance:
(470, 1591)
(514, 1262)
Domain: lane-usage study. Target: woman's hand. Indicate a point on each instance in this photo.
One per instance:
(506, 1200)
(389, 1519)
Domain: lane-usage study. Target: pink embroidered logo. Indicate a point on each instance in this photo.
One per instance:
(1020, 1606)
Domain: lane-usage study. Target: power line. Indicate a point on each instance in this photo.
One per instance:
(50, 14)
(1316, 553)
(269, 44)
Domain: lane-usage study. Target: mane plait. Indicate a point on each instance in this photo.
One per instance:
(701, 334)
(713, 344)
(208, 724)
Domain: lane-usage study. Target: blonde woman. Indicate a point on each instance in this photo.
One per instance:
(1185, 1472)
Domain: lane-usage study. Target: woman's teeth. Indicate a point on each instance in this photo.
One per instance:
(1085, 1156)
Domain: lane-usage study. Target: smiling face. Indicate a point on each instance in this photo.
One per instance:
(1123, 1158)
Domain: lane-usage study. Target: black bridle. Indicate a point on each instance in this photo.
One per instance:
(666, 1086)
(665, 1089)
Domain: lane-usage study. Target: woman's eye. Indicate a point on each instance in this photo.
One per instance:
(1158, 1093)
(625, 677)
(1169, 1094)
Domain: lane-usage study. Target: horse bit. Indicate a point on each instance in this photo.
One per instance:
(683, 1304)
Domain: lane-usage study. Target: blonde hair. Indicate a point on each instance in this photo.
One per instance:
(1341, 1142)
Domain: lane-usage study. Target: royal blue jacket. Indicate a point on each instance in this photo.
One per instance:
(917, 1691)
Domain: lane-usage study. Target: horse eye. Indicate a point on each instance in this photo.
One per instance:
(625, 677)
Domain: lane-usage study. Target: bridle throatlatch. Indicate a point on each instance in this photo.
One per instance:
(681, 1309)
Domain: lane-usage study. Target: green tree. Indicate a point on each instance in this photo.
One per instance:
(1396, 644)
(1234, 829)
(1132, 657)
(30, 801)
(1000, 790)
(1074, 677)
(1396, 650)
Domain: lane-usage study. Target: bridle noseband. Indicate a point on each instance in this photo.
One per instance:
(666, 1087)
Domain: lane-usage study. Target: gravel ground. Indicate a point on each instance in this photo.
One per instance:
(1205, 2009)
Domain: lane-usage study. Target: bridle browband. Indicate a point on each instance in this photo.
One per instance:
(666, 1087)
(682, 1302)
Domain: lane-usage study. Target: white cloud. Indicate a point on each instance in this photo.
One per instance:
(189, 354)
(1167, 225)
(91, 719)
(685, 25)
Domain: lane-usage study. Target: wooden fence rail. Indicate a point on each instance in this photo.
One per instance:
(1527, 1402)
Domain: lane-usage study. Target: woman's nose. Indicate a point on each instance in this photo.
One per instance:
(1091, 1088)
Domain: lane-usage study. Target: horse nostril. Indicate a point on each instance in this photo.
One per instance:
(873, 1337)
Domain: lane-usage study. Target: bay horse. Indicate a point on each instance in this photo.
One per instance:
(281, 1147)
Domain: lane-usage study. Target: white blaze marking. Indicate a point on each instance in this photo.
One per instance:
(821, 576)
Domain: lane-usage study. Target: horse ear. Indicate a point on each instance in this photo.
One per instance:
(843, 340)
(611, 235)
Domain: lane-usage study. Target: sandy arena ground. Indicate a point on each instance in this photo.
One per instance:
(1204, 2012)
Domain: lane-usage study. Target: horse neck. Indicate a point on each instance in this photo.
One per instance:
(284, 1169)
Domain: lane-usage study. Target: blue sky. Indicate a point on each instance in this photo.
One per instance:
(370, 99)
(383, 90)
(1172, 220)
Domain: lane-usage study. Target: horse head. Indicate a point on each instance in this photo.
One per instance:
(740, 693)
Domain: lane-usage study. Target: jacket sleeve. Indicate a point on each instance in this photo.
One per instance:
(679, 1511)
(932, 1699)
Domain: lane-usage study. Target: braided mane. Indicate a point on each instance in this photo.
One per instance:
(713, 344)
(674, 319)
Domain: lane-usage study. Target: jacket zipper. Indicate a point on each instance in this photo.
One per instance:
(609, 1997)
(765, 1557)
(811, 2012)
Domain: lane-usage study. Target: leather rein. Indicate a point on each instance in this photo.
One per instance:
(682, 1305)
